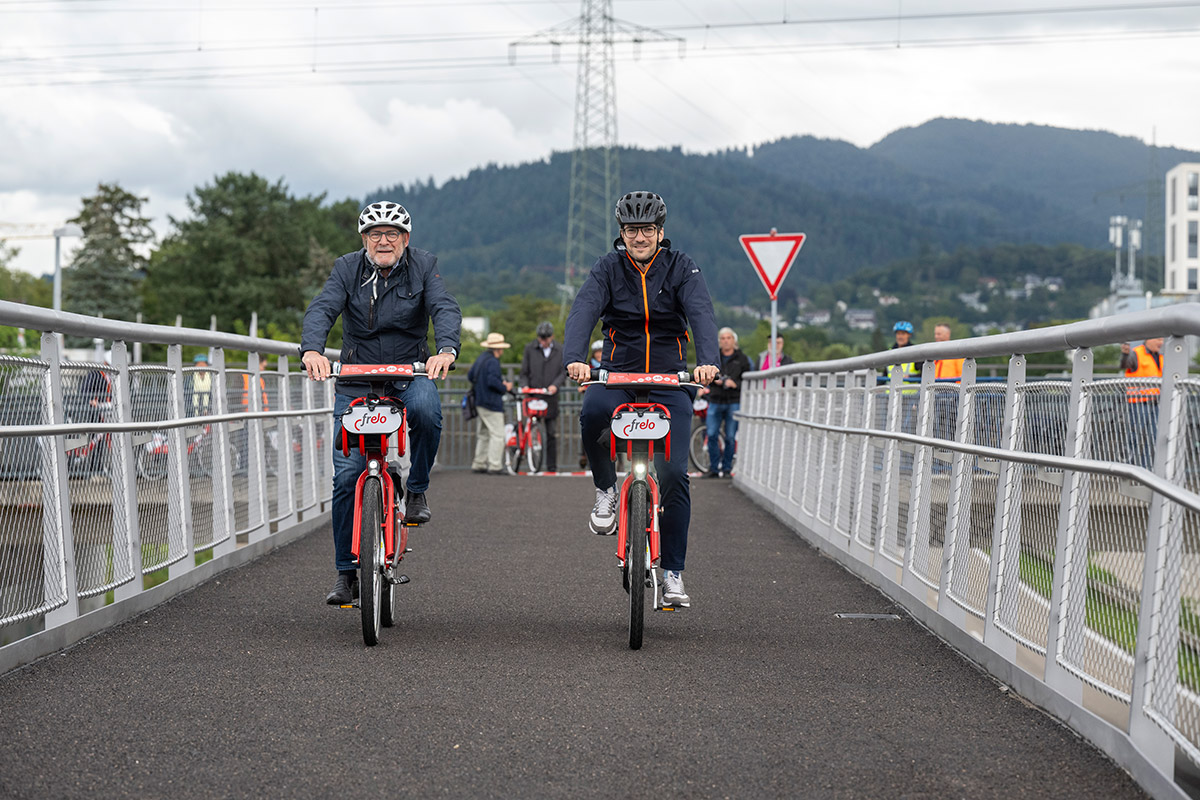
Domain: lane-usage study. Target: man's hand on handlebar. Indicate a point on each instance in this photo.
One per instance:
(316, 365)
(579, 371)
(705, 374)
(438, 366)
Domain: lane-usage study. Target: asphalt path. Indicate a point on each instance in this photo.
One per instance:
(509, 675)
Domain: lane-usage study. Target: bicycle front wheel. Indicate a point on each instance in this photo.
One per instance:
(635, 561)
(388, 593)
(370, 560)
(536, 454)
(151, 466)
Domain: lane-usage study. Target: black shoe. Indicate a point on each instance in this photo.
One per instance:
(344, 590)
(711, 474)
(417, 509)
(479, 471)
(496, 472)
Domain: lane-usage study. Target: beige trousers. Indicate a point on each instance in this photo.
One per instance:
(489, 441)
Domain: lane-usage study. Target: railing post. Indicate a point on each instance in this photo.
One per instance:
(1007, 504)
(224, 524)
(283, 439)
(256, 466)
(125, 507)
(308, 458)
(918, 502)
(179, 487)
(889, 510)
(1156, 664)
(58, 542)
(956, 510)
(1068, 586)
(862, 518)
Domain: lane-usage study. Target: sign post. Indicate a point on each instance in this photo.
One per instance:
(772, 255)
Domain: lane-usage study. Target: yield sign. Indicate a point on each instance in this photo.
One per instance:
(772, 255)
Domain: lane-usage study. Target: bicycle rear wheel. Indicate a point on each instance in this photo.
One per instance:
(151, 466)
(635, 561)
(370, 560)
(388, 593)
(536, 455)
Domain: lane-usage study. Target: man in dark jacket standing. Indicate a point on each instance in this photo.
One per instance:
(386, 295)
(542, 368)
(648, 295)
(489, 387)
(724, 400)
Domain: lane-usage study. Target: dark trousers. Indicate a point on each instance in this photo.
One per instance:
(675, 498)
(550, 443)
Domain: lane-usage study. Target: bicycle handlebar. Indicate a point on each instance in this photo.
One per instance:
(683, 378)
(380, 372)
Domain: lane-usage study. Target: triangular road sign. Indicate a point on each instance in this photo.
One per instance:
(772, 255)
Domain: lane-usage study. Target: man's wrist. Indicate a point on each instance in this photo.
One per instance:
(448, 349)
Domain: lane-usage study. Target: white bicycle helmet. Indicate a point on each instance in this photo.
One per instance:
(384, 213)
(597, 345)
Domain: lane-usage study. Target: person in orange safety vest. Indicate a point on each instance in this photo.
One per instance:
(1144, 362)
(946, 368)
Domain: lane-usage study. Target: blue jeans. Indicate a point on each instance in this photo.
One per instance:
(719, 413)
(1143, 433)
(675, 497)
(424, 435)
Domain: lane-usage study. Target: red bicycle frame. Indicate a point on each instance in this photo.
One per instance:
(375, 446)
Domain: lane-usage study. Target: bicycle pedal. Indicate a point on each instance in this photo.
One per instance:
(350, 605)
(670, 608)
(400, 579)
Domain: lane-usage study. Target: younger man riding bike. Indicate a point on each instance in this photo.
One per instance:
(647, 296)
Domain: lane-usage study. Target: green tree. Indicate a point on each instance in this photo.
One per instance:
(104, 278)
(19, 287)
(249, 246)
(518, 321)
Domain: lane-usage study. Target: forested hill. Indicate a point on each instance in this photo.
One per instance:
(934, 188)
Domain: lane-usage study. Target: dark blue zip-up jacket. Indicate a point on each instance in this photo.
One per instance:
(488, 382)
(389, 325)
(646, 315)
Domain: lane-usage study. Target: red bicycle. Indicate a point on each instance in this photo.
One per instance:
(639, 425)
(525, 439)
(380, 539)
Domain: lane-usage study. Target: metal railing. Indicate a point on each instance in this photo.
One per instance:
(1048, 529)
(122, 484)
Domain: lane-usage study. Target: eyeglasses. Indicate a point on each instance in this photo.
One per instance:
(375, 236)
(632, 231)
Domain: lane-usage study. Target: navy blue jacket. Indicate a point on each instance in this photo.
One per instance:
(390, 325)
(488, 382)
(646, 316)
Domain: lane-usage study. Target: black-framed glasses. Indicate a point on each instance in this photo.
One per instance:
(375, 236)
(648, 231)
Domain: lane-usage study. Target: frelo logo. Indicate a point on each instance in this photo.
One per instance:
(638, 425)
(370, 419)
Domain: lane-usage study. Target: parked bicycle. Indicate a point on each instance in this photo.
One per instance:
(153, 456)
(639, 425)
(371, 425)
(698, 445)
(524, 440)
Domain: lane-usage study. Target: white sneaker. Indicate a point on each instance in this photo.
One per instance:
(604, 513)
(673, 592)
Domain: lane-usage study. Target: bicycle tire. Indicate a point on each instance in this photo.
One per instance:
(535, 456)
(151, 466)
(635, 561)
(370, 548)
(698, 449)
(512, 458)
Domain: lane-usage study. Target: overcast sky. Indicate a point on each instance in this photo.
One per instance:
(163, 95)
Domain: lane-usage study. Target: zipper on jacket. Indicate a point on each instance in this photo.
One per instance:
(645, 299)
(371, 313)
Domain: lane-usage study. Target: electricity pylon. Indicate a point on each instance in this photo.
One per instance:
(595, 168)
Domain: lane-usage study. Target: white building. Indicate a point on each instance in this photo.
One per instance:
(1182, 262)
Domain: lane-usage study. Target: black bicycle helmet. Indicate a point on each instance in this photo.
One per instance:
(641, 208)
